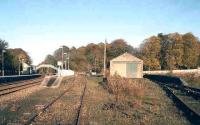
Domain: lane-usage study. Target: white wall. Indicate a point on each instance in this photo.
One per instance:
(121, 67)
(173, 71)
(65, 72)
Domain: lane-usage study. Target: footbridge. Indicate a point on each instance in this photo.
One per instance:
(59, 71)
(46, 66)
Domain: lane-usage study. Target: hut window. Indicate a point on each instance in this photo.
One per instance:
(131, 69)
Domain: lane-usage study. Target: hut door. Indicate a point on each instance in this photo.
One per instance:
(131, 70)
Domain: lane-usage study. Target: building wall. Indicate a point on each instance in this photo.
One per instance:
(140, 70)
(120, 69)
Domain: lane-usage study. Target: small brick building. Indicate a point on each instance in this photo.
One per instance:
(127, 65)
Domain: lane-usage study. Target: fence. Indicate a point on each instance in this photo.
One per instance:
(163, 72)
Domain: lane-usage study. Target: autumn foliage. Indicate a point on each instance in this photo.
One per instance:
(171, 51)
(12, 57)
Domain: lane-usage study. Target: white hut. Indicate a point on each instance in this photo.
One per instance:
(127, 65)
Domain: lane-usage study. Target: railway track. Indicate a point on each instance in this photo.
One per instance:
(187, 104)
(192, 91)
(15, 83)
(185, 98)
(17, 86)
(79, 116)
(51, 103)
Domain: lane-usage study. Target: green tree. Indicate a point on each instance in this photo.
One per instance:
(3, 45)
(58, 53)
(199, 55)
(19, 53)
(94, 54)
(118, 47)
(11, 58)
(151, 53)
(177, 50)
(198, 63)
(50, 60)
(191, 50)
(78, 60)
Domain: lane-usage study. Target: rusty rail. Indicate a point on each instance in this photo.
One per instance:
(78, 118)
(35, 115)
(17, 87)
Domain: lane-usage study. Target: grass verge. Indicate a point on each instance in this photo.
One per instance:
(141, 102)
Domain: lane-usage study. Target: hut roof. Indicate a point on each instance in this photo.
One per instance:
(127, 57)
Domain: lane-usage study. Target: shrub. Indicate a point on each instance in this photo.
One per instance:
(124, 87)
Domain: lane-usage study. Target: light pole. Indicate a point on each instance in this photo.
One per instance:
(19, 65)
(104, 74)
(65, 61)
(68, 61)
(20, 62)
(30, 70)
(65, 64)
(3, 51)
(62, 47)
(29, 67)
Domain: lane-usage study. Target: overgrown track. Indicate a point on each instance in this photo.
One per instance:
(192, 91)
(17, 86)
(35, 115)
(185, 98)
(192, 114)
(79, 112)
(78, 118)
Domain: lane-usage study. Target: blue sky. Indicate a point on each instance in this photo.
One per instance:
(41, 26)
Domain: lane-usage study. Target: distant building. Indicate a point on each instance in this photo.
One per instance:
(127, 65)
(26, 68)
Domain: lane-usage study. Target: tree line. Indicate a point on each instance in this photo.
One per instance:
(12, 58)
(171, 51)
(164, 51)
(89, 57)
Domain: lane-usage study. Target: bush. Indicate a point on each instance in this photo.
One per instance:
(124, 88)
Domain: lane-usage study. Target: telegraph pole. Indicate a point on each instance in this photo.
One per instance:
(104, 71)
(95, 65)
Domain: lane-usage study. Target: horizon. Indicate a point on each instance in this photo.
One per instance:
(32, 25)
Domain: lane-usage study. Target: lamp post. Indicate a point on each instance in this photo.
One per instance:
(30, 70)
(3, 51)
(62, 47)
(19, 66)
(20, 62)
(65, 64)
(68, 61)
(29, 67)
(65, 61)
(104, 73)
